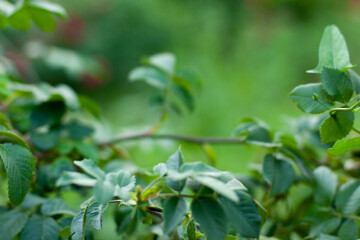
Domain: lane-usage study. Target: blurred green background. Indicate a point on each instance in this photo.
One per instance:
(249, 54)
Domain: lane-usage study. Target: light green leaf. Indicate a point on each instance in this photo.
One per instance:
(336, 126)
(348, 197)
(103, 191)
(75, 178)
(325, 185)
(174, 210)
(211, 217)
(50, 7)
(151, 76)
(343, 146)
(160, 169)
(243, 216)
(77, 228)
(39, 227)
(337, 84)
(124, 178)
(91, 168)
(165, 61)
(333, 52)
(349, 230)
(218, 186)
(94, 215)
(327, 237)
(278, 173)
(311, 98)
(12, 222)
(174, 163)
(56, 206)
(19, 165)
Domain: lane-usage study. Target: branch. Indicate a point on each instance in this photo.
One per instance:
(183, 138)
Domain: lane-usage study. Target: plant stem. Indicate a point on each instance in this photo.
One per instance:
(346, 109)
(191, 139)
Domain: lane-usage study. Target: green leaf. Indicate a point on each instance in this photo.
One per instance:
(77, 228)
(174, 163)
(19, 165)
(91, 168)
(324, 222)
(20, 19)
(327, 237)
(45, 140)
(39, 227)
(325, 185)
(160, 169)
(50, 7)
(348, 197)
(355, 79)
(185, 96)
(164, 61)
(191, 230)
(174, 210)
(278, 173)
(349, 230)
(56, 206)
(336, 126)
(94, 215)
(75, 178)
(304, 97)
(103, 191)
(14, 137)
(124, 178)
(88, 150)
(333, 52)
(337, 84)
(211, 217)
(12, 222)
(42, 19)
(243, 216)
(343, 146)
(149, 75)
(65, 232)
(218, 186)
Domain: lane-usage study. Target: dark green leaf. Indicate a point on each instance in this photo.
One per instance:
(56, 206)
(13, 137)
(211, 217)
(94, 215)
(348, 197)
(174, 210)
(325, 185)
(19, 164)
(39, 227)
(191, 230)
(337, 84)
(243, 216)
(349, 230)
(355, 79)
(305, 99)
(278, 173)
(12, 222)
(336, 126)
(174, 163)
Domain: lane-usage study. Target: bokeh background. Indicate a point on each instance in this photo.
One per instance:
(249, 53)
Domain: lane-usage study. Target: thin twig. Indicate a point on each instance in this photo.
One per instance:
(183, 138)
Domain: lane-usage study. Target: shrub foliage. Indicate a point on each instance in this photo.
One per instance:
(307, 186)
